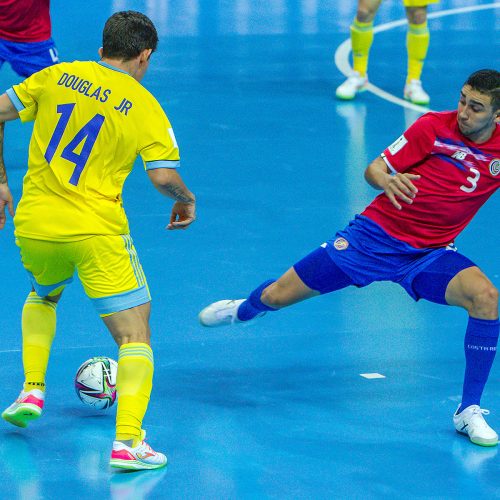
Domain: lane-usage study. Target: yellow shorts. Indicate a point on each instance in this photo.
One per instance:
(418, 3)
(107, 266)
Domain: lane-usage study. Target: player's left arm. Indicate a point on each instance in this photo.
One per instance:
(160, 154)
(7, 112)
(169, 183)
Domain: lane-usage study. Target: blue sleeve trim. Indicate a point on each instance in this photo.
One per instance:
(44, 290)
(122, 301)
(152, 165)
(15, 100)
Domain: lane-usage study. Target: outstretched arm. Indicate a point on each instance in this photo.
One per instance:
(169, 183)
(396, 186)
(7, 112)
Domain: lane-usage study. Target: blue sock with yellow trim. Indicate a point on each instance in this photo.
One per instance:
(39, 329)
(133, 385)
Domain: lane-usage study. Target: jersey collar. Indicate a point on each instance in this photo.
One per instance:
(106, 65)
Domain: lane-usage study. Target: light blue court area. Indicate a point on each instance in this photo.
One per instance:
(276, 409)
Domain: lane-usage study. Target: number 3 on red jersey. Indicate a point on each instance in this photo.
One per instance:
(473, 180)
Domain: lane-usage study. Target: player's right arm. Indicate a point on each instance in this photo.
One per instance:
(7, 112)
(397, 186)
(389, 171)
(169, 183)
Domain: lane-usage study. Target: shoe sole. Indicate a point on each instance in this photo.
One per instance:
(23, 415)
(479, 443)
(345, 98)
(417, 103)
(134, 465)
(211, 325)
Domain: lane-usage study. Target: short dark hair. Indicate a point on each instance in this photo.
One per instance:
(126, 34)
(487, 81)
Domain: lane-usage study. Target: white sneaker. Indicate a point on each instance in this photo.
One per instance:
(414, 93)
(138, 458)
(223, 312)
(354, 84)
(471, 423)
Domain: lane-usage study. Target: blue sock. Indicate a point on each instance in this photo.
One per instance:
(480, 345)
(253, 305)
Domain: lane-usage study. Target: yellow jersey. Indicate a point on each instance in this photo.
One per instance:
(91, 122)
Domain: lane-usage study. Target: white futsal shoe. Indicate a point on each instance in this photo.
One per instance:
(27, 407)
(415, 93)
(142, 457)
(223, 312)
(354, 84)
(471, 423)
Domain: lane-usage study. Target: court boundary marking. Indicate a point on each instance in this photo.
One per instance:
(341, 57)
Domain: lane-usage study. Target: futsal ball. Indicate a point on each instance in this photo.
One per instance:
(95, 382)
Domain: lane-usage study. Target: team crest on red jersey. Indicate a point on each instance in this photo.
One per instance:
(495, 166)
(340, 243)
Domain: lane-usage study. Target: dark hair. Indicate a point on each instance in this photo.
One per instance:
(126, 34)
(487, 81)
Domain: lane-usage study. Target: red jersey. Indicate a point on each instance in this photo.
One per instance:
(457, 177)
(25, 20)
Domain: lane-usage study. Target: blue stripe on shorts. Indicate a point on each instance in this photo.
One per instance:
(122, 301)
(45, 290)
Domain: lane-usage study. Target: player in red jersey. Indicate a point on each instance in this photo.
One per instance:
(435, 177)
(25, 39)
(25, 36)
(445, 157)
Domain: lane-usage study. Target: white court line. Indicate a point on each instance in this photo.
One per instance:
(343, 50)
(372, 375)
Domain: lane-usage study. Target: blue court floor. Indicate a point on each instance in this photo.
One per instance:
(278, 408)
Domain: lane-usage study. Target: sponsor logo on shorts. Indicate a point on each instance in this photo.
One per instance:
(398, 144)
(495, 166)
(340, 244)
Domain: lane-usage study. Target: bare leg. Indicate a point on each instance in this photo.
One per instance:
(287, 290)
(366, 10)
(473, 291)
(131, 325)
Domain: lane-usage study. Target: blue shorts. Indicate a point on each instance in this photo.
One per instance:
(363, 253)
(27, 58)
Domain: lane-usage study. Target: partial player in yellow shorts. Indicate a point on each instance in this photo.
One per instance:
(92, 120)
(417, 44)
(107, 266)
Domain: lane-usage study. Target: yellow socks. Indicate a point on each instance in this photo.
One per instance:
(361, 40)
(133, 385)
(417, 43)
(39, 329)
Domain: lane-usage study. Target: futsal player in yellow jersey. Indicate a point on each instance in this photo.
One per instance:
(417, 43)
(92, 119)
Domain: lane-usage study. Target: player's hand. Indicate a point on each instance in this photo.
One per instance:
(183, 214)
(400, 186)
(5, 200)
